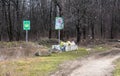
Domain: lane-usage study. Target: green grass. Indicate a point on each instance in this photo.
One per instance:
(101, 48)
(117, 68)
(38, 66)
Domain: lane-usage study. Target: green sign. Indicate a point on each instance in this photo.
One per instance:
(59, 23)
(26, 25)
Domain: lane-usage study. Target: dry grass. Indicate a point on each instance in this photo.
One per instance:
(12, 50)
(33, 66)
(47, 42)
(37, 66)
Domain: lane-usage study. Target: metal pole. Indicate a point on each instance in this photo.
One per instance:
(59, 36)
(26, 35)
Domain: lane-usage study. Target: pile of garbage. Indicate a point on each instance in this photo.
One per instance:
(65, 46)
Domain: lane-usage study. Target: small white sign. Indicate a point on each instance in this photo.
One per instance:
(59, 23)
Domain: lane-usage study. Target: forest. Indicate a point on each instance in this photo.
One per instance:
(83, 19)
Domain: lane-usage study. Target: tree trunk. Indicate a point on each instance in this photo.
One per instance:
(50, 27)
(10, 28)
(78, 34)
(92, 30)
(50, 31)
(84, 32)
(18, 22)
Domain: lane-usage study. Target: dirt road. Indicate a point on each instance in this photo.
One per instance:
(100, 64)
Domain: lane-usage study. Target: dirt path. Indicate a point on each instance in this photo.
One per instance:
(100, 64)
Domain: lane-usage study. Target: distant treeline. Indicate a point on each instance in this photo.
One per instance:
(84, 19)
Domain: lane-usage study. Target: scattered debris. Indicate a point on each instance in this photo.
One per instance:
(65, 46)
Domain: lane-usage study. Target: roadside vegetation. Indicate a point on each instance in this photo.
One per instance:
(19, 60)
(117, 63)
(38, 66)
(21, 49)
(117, 68)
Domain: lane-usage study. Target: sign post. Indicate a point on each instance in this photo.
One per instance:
(26, 27)
(59, 36)
(59, 25)
(26, 35)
